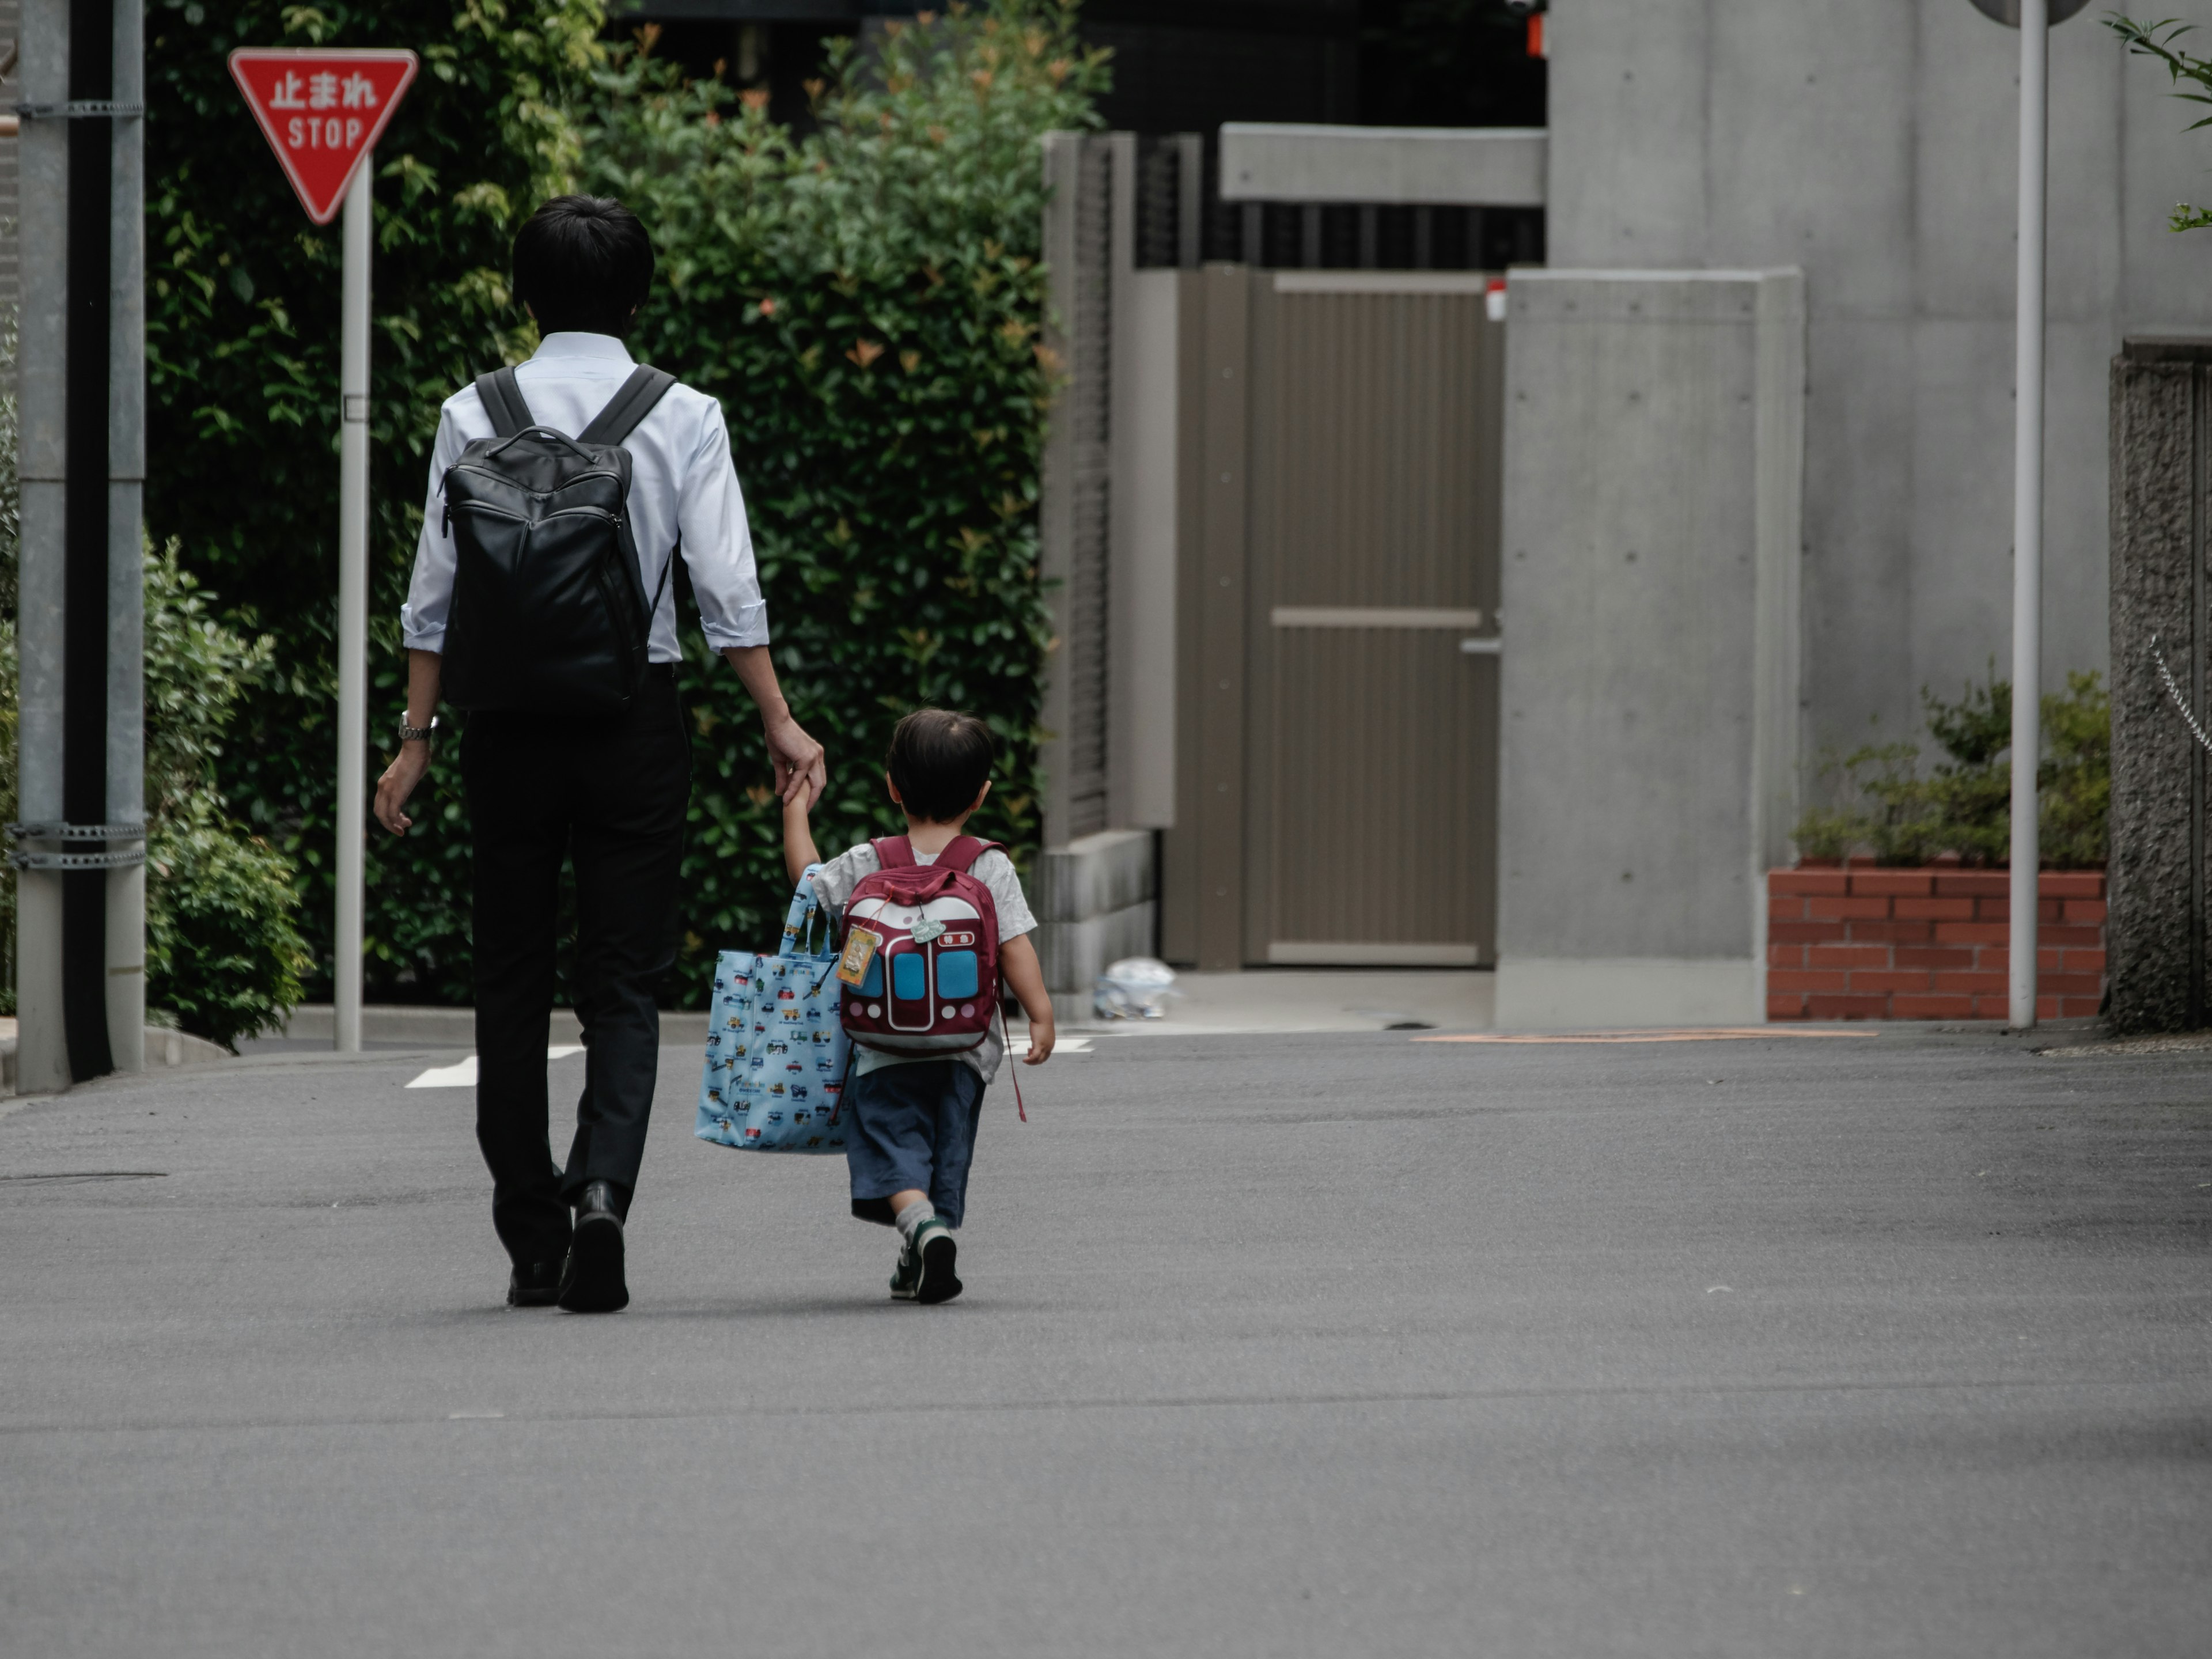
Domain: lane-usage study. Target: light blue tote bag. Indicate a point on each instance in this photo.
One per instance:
(776, 1052)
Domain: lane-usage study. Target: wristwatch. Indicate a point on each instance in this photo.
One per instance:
(416, 733)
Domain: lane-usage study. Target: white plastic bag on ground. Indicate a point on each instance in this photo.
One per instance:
(1134, 988)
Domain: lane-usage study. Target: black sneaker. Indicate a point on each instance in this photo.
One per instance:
(936, 1252)
(592, 1281)
(536, 1286)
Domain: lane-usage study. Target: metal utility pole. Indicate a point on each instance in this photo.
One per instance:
(2033, 19)
(81, 930)
(353, 605)
(2027, 508)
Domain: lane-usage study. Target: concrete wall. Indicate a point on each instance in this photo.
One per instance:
(1872, 143)
(1650, 616)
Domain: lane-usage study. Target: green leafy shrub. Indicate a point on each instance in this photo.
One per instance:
(1888, 809)
(223, 951)
(867, 301)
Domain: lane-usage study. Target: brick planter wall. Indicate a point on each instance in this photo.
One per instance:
(1870, 944)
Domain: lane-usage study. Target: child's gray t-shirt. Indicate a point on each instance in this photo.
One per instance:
(834, 883)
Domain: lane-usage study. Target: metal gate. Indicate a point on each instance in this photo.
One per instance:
(1338, 796)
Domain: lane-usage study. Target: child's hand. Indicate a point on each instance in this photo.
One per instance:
(1041, 1039)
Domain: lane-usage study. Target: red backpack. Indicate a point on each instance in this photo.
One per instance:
(920, 958)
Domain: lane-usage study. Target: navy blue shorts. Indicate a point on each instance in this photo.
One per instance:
(913, 1130)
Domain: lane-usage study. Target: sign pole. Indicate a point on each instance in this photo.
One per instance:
(2027, 508)
(353, 606)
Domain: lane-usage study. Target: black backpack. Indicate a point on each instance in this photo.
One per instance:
(549, 611)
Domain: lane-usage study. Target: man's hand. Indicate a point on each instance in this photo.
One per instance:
(798, 758)
(399, 781)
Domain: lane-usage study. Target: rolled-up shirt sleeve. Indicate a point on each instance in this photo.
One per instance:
(430, 593)
(717, 542)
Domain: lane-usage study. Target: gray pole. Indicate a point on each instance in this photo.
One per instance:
(353, 605)
(2028, 507)
(42, 1050)
(126, 581)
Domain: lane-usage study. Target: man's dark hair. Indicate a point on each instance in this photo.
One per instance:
(583, 264)
(940, 762)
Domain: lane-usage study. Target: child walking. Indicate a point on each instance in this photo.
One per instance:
(914, 1115)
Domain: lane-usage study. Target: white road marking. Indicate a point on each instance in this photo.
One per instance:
(463, 1075)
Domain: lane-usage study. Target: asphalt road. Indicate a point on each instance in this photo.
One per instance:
(1889, 1345)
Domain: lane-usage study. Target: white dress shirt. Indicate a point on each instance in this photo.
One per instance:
(681, 478)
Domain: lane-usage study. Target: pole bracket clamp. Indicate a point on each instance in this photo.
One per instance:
(40, 858)
(81, 109)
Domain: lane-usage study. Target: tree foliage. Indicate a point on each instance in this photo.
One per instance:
(2160, 41)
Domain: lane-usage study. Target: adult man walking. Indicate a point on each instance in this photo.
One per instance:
(531, 610)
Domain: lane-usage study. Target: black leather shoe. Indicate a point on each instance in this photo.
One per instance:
(592, 1281)
(535, 1285)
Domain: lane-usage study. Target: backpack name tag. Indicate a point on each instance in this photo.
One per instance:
(861, 948)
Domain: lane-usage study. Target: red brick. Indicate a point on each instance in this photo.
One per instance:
(1832, 883)
(1785, 956)
(1935, 956)
(1890, 981)
(1805, 932)
(1971, 932)
(1893, 884)
(1892, 933)
(1931, 1007)
(2085, 961)
(2048, 1007)
(2079, 1007)
(2000, 909)
(1848, 956)
(1787, 979)
(1992, 1008)
(2072, 883)
(1971, 984)
(1846, 909)
(2069, 985)
(2083, 939)
(1785, 1007)
(2085, 910)
(1972, 883)
(1937, 909)
(1852, 1007)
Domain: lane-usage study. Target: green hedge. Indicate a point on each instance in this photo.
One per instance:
(242, 349)
(868, 302)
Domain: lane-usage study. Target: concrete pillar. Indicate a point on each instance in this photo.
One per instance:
(2162, 462)
(42, 1053)
(1649, 755)
(126, 579)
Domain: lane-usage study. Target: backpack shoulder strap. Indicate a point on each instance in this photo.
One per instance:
(962, 852)
(632, 402)
(894, 853)
(502, 400)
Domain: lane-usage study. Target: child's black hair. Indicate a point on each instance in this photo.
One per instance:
(583, 264)
(940, 761)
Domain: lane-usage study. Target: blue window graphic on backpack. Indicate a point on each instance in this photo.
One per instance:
(747, 1089)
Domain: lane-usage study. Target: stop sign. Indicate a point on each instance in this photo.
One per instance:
(322, 112)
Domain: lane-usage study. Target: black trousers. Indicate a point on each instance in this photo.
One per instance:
(611, 794)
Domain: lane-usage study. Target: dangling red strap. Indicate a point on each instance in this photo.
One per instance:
(1007, 1036)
